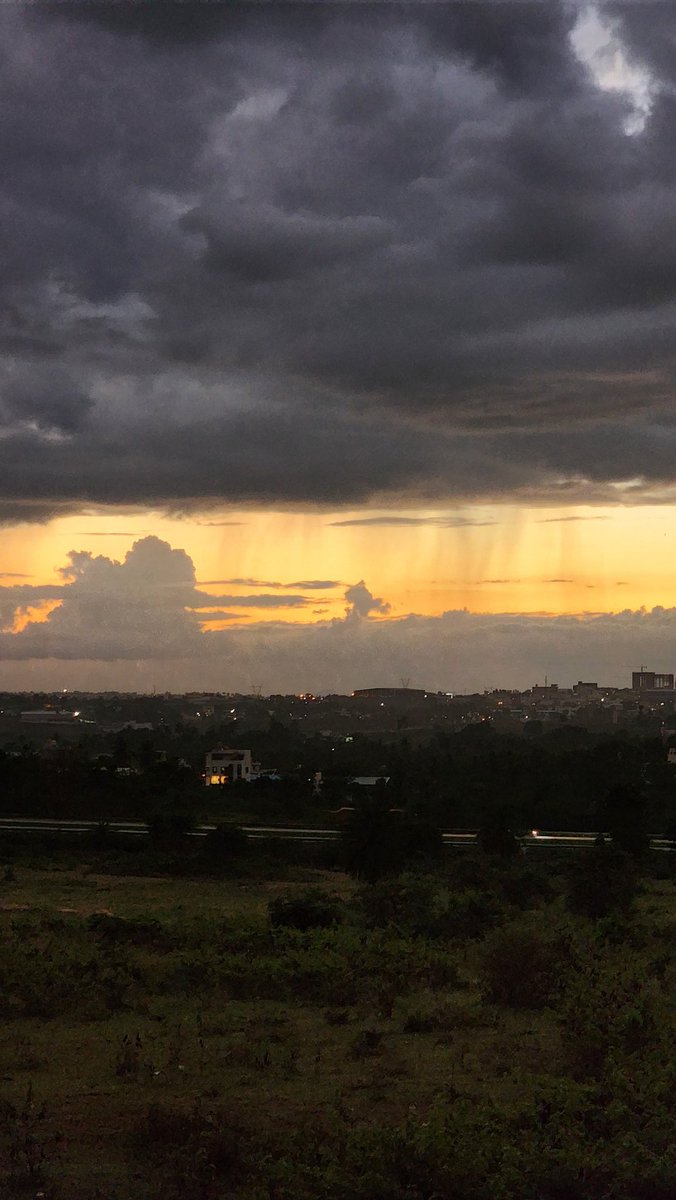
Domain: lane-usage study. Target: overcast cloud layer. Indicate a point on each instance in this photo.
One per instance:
(332, 252)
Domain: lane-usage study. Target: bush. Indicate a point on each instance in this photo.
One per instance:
(522, 884)
(470, 914)
(367, 1043)
(610, 1011)
(410, 902)
(119, 931)
(196, 1152)
(420, 906)
(224, 843)
(521, 967)
(312, 908)
(380, 842)
(499, 840)
(601, 883)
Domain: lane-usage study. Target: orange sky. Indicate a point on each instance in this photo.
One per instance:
(504, 559)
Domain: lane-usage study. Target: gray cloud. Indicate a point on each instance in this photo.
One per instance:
(315, 585)
(203, 600)
(394, 521)
(563, 520)
(262, 583)
(362, 603)
(309, 585)
(331, 254)
(146, 606)
(144, 613)
(458, 651)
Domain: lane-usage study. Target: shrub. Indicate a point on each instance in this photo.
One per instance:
(601, 883)
(522, 884)
(367, 1044)
(379, 841)
(336, 1016)
(418, 1022)
(410, 902)
(223, 843)
(312, 908)
(609, 1011)
(498, 839)
(469, 914)
(420, 906)
(521, 967)
(119, 931)
(26, 1143)
(196, 1152)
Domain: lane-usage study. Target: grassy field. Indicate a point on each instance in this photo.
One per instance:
(161, 1038)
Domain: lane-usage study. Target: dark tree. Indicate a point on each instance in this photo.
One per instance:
(381, 841)
(623, 816)
(602, 882)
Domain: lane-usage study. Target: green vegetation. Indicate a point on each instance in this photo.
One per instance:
(472, 1029)
(502, 783)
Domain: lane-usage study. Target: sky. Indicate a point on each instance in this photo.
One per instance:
(337, 344)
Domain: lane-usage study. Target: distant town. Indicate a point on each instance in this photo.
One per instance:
(220, 738)
(649, 702)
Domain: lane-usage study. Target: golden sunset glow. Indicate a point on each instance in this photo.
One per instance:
(31, 614)
(499, 559)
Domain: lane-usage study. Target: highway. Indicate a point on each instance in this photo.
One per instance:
(462, 837)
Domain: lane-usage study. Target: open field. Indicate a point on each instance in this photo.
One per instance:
(161, 1038)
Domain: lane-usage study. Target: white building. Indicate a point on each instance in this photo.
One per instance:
(227, 766)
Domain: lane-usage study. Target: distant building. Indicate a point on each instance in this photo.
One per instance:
(585, 689)
(396, 695)
(548, 691)
(227, 766)
(369, 781)
(649, 681)
(49, 716)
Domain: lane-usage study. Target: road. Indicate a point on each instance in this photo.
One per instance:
(462, 837)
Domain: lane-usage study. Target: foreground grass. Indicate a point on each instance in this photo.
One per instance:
(179, 1046)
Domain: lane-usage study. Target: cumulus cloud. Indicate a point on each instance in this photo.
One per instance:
(459, 651)
(148, 606)
(362, 603)
(347, 253)
(140, 621)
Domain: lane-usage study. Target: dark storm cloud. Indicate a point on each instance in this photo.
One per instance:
(331, 254)
(43, 396)
(177, 24)
(648, 32)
